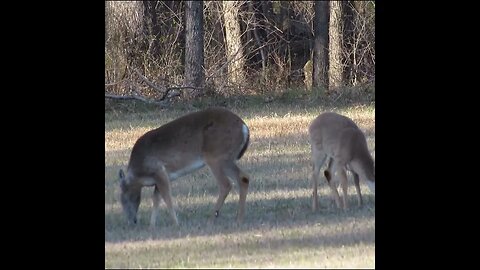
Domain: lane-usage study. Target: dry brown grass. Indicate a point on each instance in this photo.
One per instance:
(279, 230)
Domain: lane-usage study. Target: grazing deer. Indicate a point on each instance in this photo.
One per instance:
(215, 137)
(338, 139)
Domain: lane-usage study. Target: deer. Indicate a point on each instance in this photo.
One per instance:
(215, 137)
(337, 140)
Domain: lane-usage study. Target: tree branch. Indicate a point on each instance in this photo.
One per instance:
(135, 97)
(139, 96)
(147, 81)
(114, 83)
(168, 89)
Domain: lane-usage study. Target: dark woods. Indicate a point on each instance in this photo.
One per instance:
(153, 49)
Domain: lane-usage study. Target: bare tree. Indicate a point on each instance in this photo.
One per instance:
(254, 46)
(320, 49)
(335, 69)
(194, 59)
(364, 43)
(235, 58)
(359, 42)
(154, 30)
(124, 27)
(255, 12)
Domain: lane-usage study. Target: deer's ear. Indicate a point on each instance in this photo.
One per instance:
(121, 174)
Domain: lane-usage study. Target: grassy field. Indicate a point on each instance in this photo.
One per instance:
(279, 229)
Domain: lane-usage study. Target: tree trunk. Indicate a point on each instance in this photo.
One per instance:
(320, 47)
(106, 22)
(153, 29)
(348, 43)
(258, 39)
(235, 59)
(335, 71)
(194, 58)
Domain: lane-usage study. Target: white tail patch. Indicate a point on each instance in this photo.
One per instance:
(245, 133)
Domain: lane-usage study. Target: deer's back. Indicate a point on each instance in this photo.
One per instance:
(188, 139)
(332, 133)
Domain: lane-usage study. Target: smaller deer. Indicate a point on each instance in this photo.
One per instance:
(339, 140)
(215, 137)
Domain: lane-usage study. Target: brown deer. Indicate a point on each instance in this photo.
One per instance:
(339, 140)
(215, 137)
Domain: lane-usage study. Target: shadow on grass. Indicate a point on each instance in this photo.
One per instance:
(346, 97)
(279, 170)
(276, 172)
(289, 211)
(261, 214)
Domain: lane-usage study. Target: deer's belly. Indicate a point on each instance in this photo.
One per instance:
(188, 168)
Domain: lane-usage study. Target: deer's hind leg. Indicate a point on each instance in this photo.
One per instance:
(224, 184)
(243, 179)
(330, 172)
